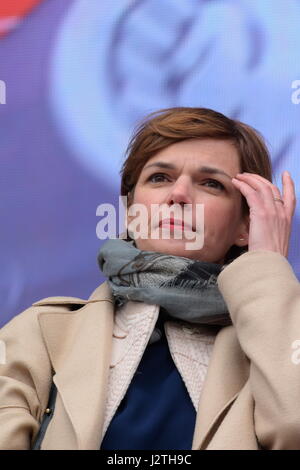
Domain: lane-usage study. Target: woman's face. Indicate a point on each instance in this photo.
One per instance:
(186, 183)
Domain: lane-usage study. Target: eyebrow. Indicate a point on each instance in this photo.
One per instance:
(203, 169)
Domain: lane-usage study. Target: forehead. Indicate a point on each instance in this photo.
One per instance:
(221, 153)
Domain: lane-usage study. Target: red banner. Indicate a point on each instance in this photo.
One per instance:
(12, 12)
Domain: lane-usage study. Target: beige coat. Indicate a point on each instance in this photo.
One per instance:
(251, 394)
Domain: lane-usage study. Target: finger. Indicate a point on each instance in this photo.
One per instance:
(289, 194)
(288, 187)
(275, 190)
(265, 189)
(257, 176)
(247, 191)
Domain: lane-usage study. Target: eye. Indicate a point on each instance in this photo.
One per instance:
(220, 185)
(216, 184)
(156, 175)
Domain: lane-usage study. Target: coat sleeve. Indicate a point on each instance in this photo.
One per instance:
(263, 297)
(25, 379)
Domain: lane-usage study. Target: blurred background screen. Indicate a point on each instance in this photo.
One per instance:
(75, 78)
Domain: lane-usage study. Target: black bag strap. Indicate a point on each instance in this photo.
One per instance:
(46, 418)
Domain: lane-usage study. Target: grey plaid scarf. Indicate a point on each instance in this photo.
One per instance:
(185, 289)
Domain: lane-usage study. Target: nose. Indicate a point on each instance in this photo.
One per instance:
(180, 193)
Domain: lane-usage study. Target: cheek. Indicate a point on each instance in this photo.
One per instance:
(146, 197)
(219, 218)
(143, 199)
(141, 196)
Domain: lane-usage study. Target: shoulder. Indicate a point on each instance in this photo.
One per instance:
(26, 319)
(26, 323)
(254, 266)
(100, 293)
(64, 301)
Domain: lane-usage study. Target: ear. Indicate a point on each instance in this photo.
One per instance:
(243, 232)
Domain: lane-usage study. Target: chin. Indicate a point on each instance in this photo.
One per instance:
(172, 247)
(176, 248)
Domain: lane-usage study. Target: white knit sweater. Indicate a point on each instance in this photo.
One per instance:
(190, 348)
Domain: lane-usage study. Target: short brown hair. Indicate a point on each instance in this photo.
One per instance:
(164, 127)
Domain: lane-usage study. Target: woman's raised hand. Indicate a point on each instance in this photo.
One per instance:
(270, 220)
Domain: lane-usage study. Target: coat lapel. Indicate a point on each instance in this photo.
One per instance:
(227, 373)
(79, 344)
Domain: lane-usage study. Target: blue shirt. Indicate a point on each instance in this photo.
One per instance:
(157, 412)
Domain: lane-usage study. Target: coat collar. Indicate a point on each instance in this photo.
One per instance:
(86, 336)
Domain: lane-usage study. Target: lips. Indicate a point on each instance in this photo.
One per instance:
(177, 222)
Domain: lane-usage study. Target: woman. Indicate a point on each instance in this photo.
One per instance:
(180, 348)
